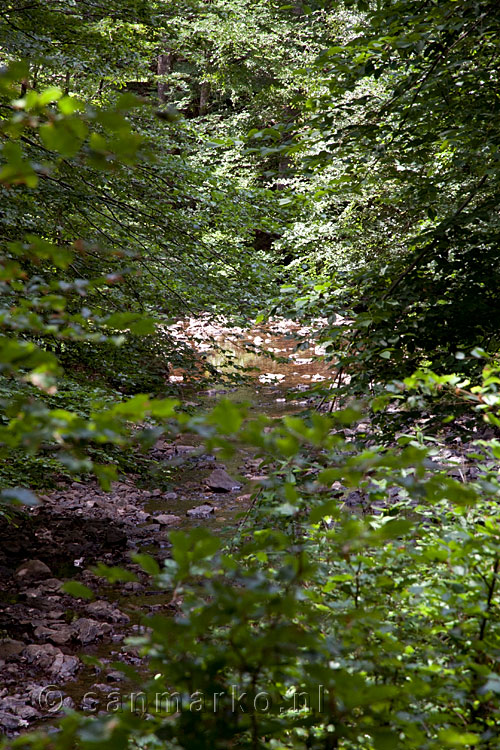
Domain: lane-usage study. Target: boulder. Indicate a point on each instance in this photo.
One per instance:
(89, 630)
(31, 570)
(41, 656)
(64, 666)
(220, 481)
(105, 611)
(201, 511)
(9, 648)
(58, 633)
(166, 519)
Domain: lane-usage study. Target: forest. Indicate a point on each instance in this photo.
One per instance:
(249, 374)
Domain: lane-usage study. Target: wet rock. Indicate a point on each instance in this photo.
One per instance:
(89, 703)
(9, 721)
(59, 633)
(9, 649)
(64, 667)
(41, 656)
(105, 611)
(220, 481)
(88, 630)
(133, 586)
(18, 707)
(166, 519)
(184, 449)
(243, 498)
(201, 511)
(114, 676)
(31, 570)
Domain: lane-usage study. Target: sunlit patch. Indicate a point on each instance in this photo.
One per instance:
(271, 377)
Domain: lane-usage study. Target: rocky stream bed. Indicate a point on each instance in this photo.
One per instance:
(44, 632)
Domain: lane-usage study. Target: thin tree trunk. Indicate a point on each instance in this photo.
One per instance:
(204, 95)
(165, 66)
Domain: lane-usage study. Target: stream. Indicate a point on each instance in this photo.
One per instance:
(44, 632)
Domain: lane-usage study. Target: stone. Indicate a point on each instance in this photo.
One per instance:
(220, 481)
(41, 656)
(201, 511)
(166, 519)
(114, 676)
(133, 586)
(170, 496)
(18, 707)
(9, 649)
(105, 611)
(59, 633)
(64, 666)
(9, 721)
(32, 570)
(89, 630)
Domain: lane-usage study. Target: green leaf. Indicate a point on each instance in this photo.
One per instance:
(78, 590)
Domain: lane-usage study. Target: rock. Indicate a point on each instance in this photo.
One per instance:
(64, 666)
(184, 448)
(170, 496)
(41, 656)
(166, 519)
(220, 481)
(243, 498)
(60, 633)
(114, 676)
(105, 611)
(201, 511)
(133, 586)
(88, 630)
(9, 649)
(18, 707)
(31, 570)
(9, 721)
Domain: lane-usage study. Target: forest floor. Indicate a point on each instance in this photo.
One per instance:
(46, 633)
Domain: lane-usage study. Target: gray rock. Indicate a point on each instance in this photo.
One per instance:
(201, 511)
(105, 611)
(41, 656)
(59, 633)
(9, 649)
(64, 666)
(18, 707)
(133, 586)
(166, 519)
(9, 721)
(88, 630)
(115, 676)
(170, 496)
(220, 481)
(32, 570)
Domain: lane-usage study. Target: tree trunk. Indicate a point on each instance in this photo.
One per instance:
(165, 66)
(204, 94)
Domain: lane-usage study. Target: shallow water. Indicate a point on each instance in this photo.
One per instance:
(267, 381)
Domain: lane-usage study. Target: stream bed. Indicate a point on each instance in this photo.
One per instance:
(45, 633)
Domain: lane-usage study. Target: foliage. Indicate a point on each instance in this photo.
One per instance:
(402, 157)
(320, 627)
